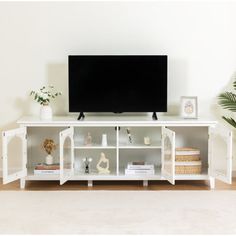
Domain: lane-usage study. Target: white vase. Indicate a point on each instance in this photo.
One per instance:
(45, 112)
(104, 140)
(49, 159)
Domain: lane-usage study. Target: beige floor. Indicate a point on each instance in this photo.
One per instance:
(118, 212)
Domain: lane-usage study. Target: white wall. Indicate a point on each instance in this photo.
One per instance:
(36, 38)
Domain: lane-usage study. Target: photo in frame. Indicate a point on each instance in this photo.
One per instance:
(189, 107)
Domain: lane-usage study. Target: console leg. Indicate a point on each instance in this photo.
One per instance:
(154, 116)
(90, 183)
(81, 116)
(22, 183)
(145, 183)
(212, 182)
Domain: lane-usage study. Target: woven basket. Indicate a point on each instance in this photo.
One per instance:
(189, 168)
(187, 158)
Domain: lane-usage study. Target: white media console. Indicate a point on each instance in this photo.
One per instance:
(23, 146)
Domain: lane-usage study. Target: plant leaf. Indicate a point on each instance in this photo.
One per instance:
(228, 101)
(234, 84)
(230, 120)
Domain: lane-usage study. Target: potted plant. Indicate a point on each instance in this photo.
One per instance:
(228, 101)
(44, 97)
(49, 145)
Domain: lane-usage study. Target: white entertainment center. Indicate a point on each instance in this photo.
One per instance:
(165, 134)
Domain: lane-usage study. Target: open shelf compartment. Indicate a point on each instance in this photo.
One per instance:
(195, 137)
(95, 155)
(91, 137)
(151, 156)
(133, 137)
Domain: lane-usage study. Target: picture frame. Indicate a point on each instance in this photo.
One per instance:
(189, 107)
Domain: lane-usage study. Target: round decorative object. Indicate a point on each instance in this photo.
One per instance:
(49, 159)
(45, 112)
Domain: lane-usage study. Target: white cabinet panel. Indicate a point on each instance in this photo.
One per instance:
(14, 150)
(165, 134)
(220, 153)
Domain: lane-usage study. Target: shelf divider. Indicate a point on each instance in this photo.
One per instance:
(117, 150)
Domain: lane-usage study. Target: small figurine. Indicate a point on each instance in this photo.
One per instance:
(87, 162)
(103, 170)
(129, 135)
(88, 140)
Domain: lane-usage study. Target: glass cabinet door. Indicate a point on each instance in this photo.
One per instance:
(14, 153)
(220, 152)
(66, 154)
(168, 155)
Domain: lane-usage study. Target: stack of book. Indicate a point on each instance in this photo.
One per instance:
(45, 169)
(139, 167)
(187, 160)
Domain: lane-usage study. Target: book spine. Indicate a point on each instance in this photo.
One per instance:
(47, 172)
(136, 172)
(140, 167)
(47, 168)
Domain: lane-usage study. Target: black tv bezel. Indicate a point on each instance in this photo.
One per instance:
(111, 111)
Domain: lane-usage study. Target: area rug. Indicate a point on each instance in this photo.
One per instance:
(117, 212)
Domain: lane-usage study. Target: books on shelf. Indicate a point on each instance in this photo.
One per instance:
(138, 172)
(46, 172)
(43, 168)
(144, 166)
(137, 168)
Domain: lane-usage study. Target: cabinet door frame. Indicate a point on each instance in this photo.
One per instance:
(67, 133)
(226, 135)
(170, 176)
(7, 136)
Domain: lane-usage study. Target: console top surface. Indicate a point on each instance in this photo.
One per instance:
(114, 120)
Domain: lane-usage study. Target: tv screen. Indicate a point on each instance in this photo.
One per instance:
(117, 83)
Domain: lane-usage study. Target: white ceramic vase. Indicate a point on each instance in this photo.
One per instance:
(49, 159)
(45, 112)
(104, 140)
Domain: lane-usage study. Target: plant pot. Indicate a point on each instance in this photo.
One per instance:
(45, 112)
(49, 159)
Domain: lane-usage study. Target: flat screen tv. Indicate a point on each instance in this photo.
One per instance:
(117, 83)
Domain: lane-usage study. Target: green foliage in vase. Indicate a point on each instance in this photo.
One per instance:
(45, 95)
(227, 100)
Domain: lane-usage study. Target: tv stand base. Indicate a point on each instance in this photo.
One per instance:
(164, 135)
(154, 116)
(81, 116)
